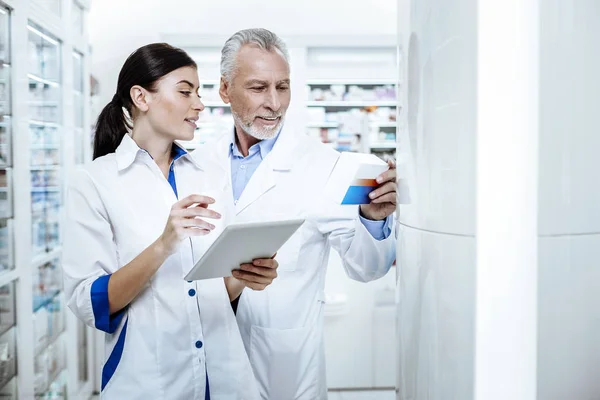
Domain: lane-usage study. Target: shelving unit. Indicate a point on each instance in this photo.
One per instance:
(44, 112)
(353, 115)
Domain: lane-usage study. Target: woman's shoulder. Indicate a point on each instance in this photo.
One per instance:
(102, 169)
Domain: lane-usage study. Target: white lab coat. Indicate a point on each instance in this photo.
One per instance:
(174, 332)
(282, 326)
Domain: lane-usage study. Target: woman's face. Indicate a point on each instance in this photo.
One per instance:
(174, 106)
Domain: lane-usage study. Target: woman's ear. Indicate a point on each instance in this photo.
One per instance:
(139, 98)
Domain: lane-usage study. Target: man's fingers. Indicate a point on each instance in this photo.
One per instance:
(266, 262)
(389, 187)
(387, 176)
(251, 277)
(387, 198)
(261, 271)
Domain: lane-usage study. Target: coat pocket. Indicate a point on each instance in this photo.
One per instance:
(287, 255)
(286, 362)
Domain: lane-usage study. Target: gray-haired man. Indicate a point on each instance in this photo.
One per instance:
(276, 172)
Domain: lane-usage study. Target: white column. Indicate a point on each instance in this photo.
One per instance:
(507, 186)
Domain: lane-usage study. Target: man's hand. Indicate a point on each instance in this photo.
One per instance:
(383, 199)
(259, 274)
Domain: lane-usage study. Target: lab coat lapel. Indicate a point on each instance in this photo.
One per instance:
(261, 182)
(278, 161)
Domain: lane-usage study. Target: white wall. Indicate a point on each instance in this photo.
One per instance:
(483, 286)
(117, 27)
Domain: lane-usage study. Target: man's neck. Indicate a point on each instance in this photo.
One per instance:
(244, 141)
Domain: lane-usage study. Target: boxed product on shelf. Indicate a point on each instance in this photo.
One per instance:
(316, 114)
(47, 281)
(4, 250)
(45, 157)
(210, 93)
(383, 114)
(44, 136)
(351, 121)
(45, 178)
(352, 92)
(7, 306)
(56, 318)
(41, 373)
(327, 93)
(4, 129)
(45, 203)
(7, 356)
(40, 328)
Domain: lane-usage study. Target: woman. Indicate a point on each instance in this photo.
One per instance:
(131, 216)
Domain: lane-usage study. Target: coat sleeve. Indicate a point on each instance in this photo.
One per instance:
(89, 255)
(364, 257)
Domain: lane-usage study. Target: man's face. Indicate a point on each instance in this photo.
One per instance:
(259, 91)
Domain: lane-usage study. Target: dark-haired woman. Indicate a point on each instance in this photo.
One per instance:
(131, 216)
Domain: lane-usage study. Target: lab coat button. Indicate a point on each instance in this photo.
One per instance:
(192, 292)
(198, 344)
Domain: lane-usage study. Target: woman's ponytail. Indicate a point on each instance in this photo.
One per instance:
(110, 128)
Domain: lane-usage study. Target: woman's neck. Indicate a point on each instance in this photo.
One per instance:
(159, 147)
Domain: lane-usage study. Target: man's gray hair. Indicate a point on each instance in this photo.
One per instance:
(259, 37)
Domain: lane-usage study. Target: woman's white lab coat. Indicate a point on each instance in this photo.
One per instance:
(174, 333)
(282, 326)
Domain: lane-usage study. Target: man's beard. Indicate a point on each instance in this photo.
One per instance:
(259, 133)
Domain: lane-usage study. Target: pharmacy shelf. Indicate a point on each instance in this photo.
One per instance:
(44, 146)
(6, 380)
(337, 124)
(45, 189)
(215, 104)
(52, 167)
(49, 342)
(41, 86)
(323, 124)
(45, 258)
(40, 302)
(383, 145)
(53, 378)
(43, 123)
(351, 103)
(383, 124)
(41, 80)
(41, 103)
(354, 82)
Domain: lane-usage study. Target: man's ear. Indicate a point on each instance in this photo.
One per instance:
(139, 98)
(224, 90)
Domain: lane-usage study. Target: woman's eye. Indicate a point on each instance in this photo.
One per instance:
(185, 93)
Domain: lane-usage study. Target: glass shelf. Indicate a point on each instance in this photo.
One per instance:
(45, 112)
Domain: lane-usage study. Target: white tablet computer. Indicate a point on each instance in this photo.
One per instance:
(240, 244)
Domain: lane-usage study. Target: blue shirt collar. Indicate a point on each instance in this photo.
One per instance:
(263, 147)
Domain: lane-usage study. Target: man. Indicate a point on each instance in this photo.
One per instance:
(279, 173)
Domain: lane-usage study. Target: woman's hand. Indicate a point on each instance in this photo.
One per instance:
(185, 221)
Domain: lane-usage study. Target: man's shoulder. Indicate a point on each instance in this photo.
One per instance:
(314, 148)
